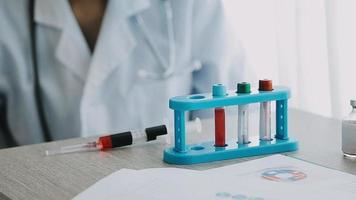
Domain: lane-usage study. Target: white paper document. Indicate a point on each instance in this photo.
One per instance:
(273, 177)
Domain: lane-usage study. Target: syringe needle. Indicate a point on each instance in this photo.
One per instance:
(73, 148)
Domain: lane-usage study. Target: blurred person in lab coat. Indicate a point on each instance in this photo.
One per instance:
(85, 67)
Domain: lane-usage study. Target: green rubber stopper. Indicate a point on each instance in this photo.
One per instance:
(243, 87)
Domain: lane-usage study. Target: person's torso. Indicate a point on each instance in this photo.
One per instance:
(87, 94)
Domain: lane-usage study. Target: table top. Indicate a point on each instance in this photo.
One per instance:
(26, 173)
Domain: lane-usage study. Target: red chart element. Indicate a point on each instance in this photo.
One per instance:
(220, 127)
(283, 175)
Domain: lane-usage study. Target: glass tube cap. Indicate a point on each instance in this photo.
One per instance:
(219, 90)
(265, 85)
(243, 87)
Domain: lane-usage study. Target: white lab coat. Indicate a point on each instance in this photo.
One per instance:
(87, 94)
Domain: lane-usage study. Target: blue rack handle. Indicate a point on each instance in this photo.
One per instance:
(179, 131)
(282, 119)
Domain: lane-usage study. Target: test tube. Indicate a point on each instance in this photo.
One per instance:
(219, 90)
(265, 111)
(243, 115)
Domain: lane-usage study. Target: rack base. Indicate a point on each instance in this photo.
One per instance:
(207, 152)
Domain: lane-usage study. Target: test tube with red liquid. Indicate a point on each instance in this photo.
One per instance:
(219, 90)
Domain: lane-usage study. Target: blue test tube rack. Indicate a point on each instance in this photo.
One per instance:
(183, 154)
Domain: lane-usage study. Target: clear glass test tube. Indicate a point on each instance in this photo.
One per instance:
(243, 115)
(265, 121)
(265, 111)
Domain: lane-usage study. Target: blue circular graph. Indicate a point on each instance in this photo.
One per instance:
(283, 175)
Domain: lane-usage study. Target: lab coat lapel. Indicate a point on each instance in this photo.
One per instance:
(73, 55)
(115, 42)
(72, 50)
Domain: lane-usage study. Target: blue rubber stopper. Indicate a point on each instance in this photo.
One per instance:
(219, 90)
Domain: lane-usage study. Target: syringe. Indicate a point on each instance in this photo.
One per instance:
(127, 138)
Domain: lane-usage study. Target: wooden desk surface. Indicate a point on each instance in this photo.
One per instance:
(26, 173)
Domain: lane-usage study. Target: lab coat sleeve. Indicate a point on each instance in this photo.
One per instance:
(2, 87)
(2, 51)
(3, 142)
(9, 40)
(216, 46)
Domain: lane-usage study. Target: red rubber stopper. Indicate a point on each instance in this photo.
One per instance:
(265, 85)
